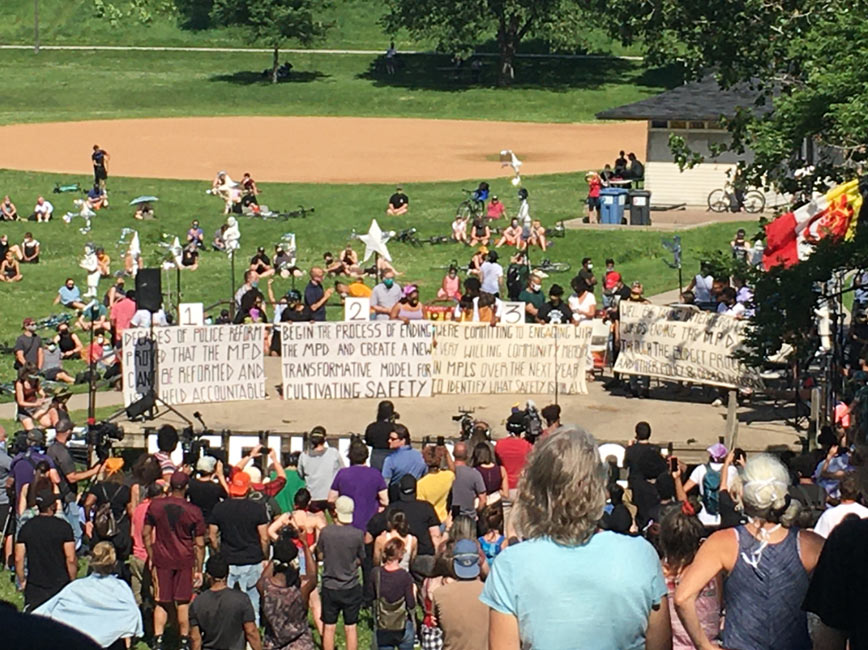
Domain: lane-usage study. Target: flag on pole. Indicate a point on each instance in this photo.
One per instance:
(790, 237)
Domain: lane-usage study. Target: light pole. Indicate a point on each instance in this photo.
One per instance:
(36, 26)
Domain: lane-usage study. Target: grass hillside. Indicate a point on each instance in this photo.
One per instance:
(154, 22)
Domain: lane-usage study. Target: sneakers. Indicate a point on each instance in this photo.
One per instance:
(717, 402)
(184, 643)
(158, 643)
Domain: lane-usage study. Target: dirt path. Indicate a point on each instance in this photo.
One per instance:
(317, 149)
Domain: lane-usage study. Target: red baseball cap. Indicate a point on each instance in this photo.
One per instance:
(240, 484)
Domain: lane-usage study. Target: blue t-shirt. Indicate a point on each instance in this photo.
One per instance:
(68, 295)
(404, 460)
(594, 596)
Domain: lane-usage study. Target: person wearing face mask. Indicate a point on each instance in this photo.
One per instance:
(315, 297)
(69, 295)
(52, 368)
(450, 288)
(67, 342)
(555, 311)
(115, 292)
(533, 299)
(511, 236)
(385, 296)
(408, 308)
(251, 282)
(491, 275)
(586, 273)
(28, 346)
(729, 305)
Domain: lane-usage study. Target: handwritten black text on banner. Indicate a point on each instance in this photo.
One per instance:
(373, 359)
(683, 345)
(213, 363)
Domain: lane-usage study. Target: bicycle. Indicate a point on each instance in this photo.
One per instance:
(51, 322)
(407, 236)
(439, 239)
(453, 263)
(726, 198)
(470, 206)
(300, 213)
(547, 266)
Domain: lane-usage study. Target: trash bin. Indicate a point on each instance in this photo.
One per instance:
(612, 200)
(640, 208)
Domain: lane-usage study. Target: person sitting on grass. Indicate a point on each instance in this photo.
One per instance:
(537, 235)
(190, 257)
(511, 236)
(480, 233)
(261, 263)
(4, 246)
(195, 235)
(33, 407)
(97, 198)
(42, 211)
(69, 296)
(8, 211)
(104, 263)
(68, 342)
(10, 270)
(30, 249)
(143, 211)
(93, 318)
(450, 288)
(496, 209)
(459, 229)
(399, 203)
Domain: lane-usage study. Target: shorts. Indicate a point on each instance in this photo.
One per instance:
(25, 413)
(51, 373)
(173, 585)
(337, 601)
(593, 202)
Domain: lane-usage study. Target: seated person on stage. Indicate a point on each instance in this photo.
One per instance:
(10, 270)
(450, 288)
(537, 235)
(459, 229)
(261, 263)
(69, 295)
(97, 198)
(355, 289)
(195, 234)
(30, 249)
(511, 236)
(496, 209)
(94, 317)
(42, 211)
(143, 211)
(480, 233)
(399, 203)
(104, 262)
(52, 365)
(8, 211)
(190, 257)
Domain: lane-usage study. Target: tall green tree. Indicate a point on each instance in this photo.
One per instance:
(273, 22)
(458, 26)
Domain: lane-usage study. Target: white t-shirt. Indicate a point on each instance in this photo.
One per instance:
(697, 477)
(738, 309)
(582, 306)
(459, 226)
(833, 516)
(491, 274)
(702, 287)
(142, 318)
(45, 208)
(524, 215)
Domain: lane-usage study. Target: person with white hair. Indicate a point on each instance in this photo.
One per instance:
(767, 565)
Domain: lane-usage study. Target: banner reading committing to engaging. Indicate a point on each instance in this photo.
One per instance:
(522, 359)
(348, 360)
(681, 344)
(213, 363)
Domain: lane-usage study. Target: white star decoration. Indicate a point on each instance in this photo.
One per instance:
(375, 242)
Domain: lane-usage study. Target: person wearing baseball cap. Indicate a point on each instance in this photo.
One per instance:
(710, 480)
(243, 539)
(555, 311)
(46, 543)
(174, 537)
(457, 605)
(342, 548)
(208, 487)
(261, 263)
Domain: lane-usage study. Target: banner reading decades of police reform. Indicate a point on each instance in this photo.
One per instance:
(374, 359)
(522, 358)
(683, 345)
(213, 363)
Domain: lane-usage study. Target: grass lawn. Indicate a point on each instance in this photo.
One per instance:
(355, 26)
(58, 86)
(339, 210)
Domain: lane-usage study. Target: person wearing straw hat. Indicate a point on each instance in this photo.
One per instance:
(595, 184)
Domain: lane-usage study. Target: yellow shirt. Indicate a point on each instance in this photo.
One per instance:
(359, 290)
(434, 488)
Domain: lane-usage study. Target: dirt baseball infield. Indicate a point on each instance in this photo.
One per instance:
(317, 149)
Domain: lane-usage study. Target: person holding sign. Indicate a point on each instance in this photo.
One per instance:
(408, 308)
(384, 296)
(555, 311)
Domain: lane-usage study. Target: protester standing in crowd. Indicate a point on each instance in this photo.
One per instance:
(377, 433)
(174, 536)
(768, 566)
(848, 506)
(242, 525)
(46, 546)
(318, 468)
(459, 612)
(645, 464)
(315, 296)
(511, 453)
(363, 484)
(436, 486)
(110, 489)
(342, 549)
(403, 459)
(468, 490)
(222, 617)
(385, 295)
(709, 478)
(394, 600)
(208, 487)
(423, 522)
(294, 482)
(588, 599)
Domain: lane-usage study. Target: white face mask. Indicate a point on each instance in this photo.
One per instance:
(590, 266)
(536, 287)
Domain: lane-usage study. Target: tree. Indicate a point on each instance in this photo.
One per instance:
(273, 21)
(459, 25)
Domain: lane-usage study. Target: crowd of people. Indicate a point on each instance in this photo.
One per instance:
(523, 542)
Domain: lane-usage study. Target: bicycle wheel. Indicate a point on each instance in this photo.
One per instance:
(465, 210)
(718, 201)
(553, 267)
(478, 208)
(754, 201)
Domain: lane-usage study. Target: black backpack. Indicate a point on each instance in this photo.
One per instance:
(516, 279)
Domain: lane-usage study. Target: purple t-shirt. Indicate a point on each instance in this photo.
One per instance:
(363, 485)
(23, 470)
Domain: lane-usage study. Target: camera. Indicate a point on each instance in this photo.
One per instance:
(526, 422)
(193, 446)
(101, 436)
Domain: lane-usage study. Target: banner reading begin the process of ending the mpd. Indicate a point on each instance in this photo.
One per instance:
(682, 344)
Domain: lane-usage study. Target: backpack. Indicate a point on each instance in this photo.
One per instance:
(710, 489)
(105, 526)
(389, 616)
